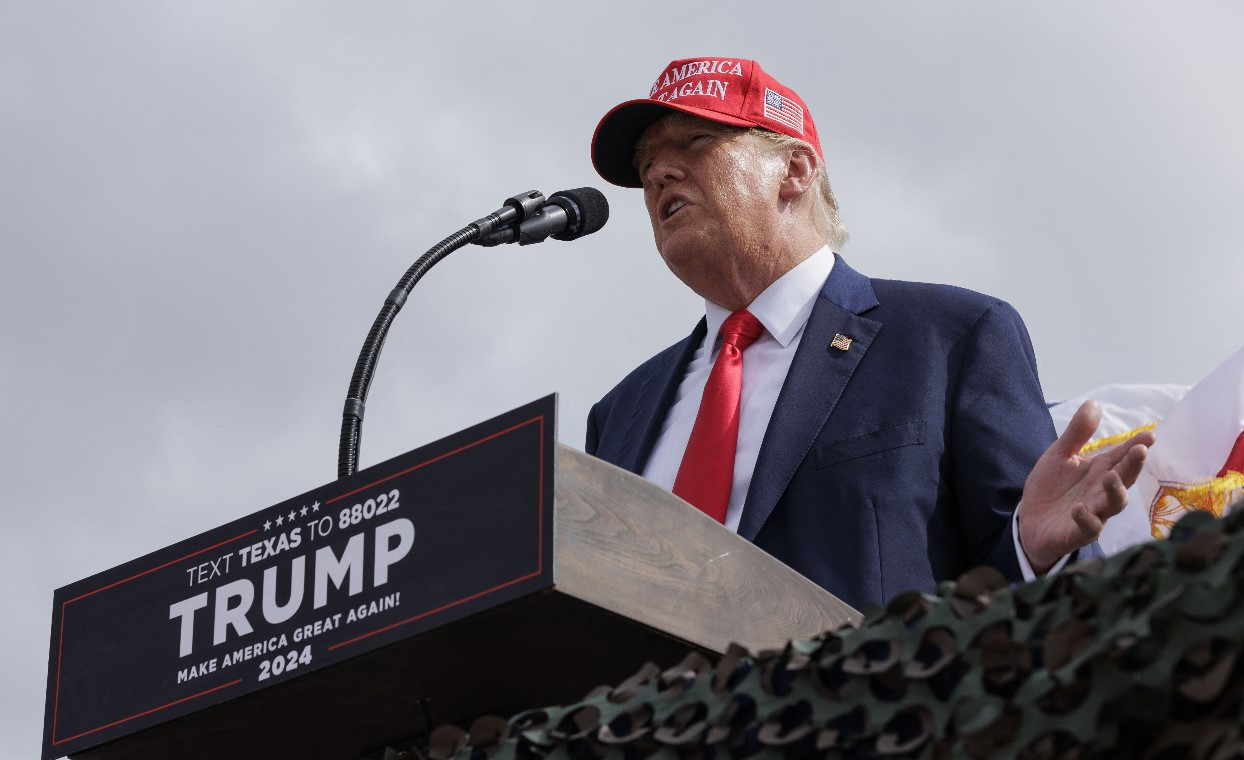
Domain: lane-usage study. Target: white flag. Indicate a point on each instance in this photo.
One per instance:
(1197, 462)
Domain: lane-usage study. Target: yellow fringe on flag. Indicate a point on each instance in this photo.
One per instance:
(1092, 447)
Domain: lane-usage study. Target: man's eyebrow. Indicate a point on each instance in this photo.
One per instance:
(704, 125)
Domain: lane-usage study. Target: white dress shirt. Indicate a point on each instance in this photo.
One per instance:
(783, 308)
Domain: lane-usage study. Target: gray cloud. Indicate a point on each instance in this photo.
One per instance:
(203, 205)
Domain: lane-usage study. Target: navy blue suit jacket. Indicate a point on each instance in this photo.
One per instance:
(887, 467)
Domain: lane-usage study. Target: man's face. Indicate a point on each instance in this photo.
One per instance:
(711, 193)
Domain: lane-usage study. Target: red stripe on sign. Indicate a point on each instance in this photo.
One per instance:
(421, 465)
(147, 712)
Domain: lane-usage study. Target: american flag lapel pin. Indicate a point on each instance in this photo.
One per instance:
(840, 342)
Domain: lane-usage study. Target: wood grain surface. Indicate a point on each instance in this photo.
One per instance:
(626, 545)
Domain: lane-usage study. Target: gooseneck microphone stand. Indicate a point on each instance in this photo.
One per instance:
(515, 210)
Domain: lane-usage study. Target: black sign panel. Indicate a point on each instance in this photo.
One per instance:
(421, 540)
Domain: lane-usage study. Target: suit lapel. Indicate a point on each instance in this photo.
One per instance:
(656, 396)
(816, 379)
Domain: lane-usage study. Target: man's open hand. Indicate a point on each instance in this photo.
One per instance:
(1068, 497)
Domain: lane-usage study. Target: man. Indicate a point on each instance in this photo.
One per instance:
(877, 436)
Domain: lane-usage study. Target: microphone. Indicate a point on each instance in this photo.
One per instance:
(568, 215)
(525, 217)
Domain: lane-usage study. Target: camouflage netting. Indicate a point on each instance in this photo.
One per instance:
(1136, 656)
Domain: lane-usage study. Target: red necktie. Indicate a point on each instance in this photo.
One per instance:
(707, 468)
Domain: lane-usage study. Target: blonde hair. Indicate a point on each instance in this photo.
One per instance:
(831, 225)
(827, 205)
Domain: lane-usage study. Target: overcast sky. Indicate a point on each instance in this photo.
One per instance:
(203, 204)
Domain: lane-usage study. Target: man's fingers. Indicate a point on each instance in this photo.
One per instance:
(1089, 491)
(1115, 493)
(1132, 462)
(1090, 525)
(1146, 438)
(1079, 430)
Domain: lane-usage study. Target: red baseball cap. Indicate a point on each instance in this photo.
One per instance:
(724, 90)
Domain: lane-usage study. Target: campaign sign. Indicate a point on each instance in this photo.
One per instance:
(408, 545)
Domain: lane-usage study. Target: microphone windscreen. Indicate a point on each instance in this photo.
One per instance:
(592, 208)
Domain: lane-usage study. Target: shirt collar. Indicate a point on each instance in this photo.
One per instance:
(786, 304)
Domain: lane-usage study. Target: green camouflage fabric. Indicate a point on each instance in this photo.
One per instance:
(1134, 656)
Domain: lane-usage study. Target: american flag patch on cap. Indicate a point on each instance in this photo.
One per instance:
(784, 110)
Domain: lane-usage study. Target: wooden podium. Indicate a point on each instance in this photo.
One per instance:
(632, 574)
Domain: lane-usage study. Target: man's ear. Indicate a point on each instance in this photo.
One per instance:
(800, 174)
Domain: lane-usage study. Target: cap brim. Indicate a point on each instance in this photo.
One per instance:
(613, 144)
